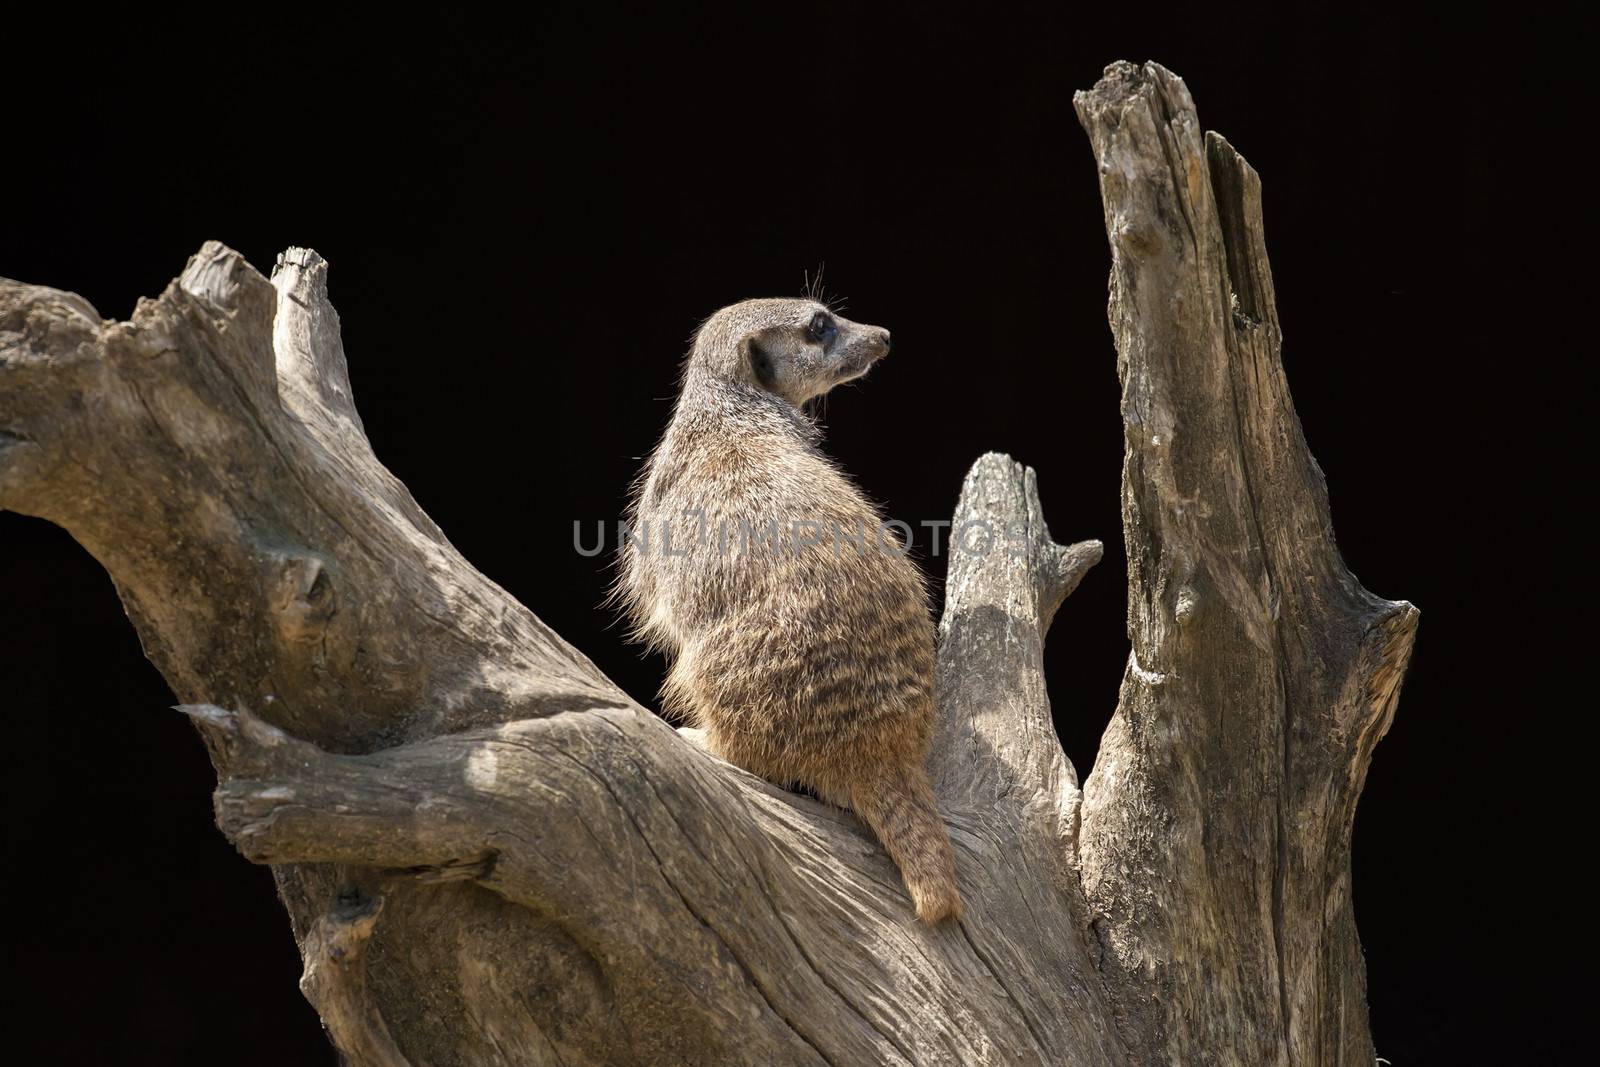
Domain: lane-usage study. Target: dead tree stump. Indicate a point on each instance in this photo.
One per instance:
(491, 855)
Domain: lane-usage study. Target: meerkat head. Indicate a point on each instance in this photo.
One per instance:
(794, 349)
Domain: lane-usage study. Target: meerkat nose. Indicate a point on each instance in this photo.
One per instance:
(887, 344)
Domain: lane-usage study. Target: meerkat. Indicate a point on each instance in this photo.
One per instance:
(798, 631)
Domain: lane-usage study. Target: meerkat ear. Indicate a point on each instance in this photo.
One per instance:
(760, 362)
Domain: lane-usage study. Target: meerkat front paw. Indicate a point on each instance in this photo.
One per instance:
(695, 736)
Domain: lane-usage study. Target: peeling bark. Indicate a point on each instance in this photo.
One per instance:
(490, 854)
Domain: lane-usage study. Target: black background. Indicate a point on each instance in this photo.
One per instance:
(526, 221)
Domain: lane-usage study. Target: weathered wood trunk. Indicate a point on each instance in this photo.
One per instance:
(490, 854)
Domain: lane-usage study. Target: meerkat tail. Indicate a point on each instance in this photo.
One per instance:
(900, 809)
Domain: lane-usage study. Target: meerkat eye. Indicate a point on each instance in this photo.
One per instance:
(821, 330)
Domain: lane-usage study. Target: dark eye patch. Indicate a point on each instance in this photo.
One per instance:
(822, 329)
